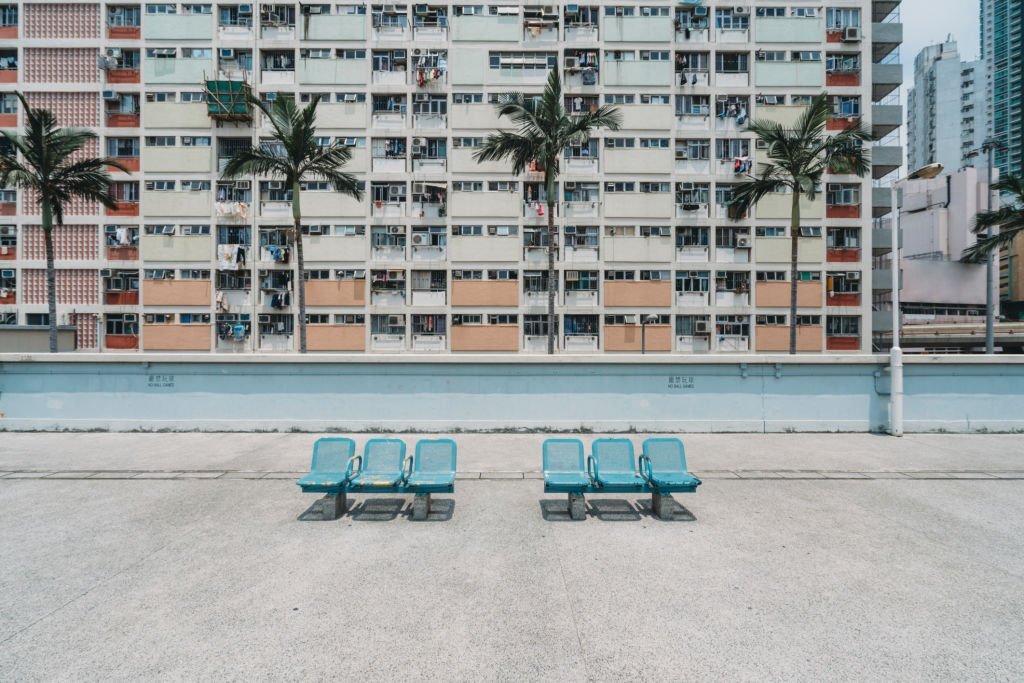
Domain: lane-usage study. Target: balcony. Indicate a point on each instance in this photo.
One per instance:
(638, 205)
(117, 76)
(881, 239)
(334, 27)
(778, 249)
(161, 71)
(487, 29)
(638, 73)
(885, 78)
(885, 159)
(732, 36)
(389, 209)
(789, 74)
(175, 115)
(885, 37)
(178, 27)
(639, 249)
(177, 159)
(700, 299)
(637, 293)
(727, 298)
(120, 208)
(181, 248)
(842, 343)
(121, 298)
(789, 29)
(839, 211)
(116, 119)
(581, 298)
(842, 254)
(121, 342)
(485, 204)
(842, 299)
(179, 203)
(272, 77)
(634, 338)
(581, 209)
(332, 72)
(638, 29)
(115, 33)
(692, 253)
(885, 118)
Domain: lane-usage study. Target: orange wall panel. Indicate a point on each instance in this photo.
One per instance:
(485, 293)
(336, 293)
(176, 337)
(629, 338)
(639, 293)
(336, 337)
(176, 292)
(485, 338)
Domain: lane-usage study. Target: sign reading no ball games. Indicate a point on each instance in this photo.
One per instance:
(680, 382)
(160, 381)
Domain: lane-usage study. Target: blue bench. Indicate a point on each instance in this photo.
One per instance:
(612, 468)
(382, 468)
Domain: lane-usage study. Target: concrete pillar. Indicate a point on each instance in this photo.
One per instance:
(663, 506)
(577, 506)
(333, 506)
(421, 506)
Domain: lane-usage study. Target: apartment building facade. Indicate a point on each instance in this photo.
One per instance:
(445, 254)
(947, 109)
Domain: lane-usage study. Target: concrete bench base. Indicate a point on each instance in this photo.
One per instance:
(577, 506)
(333, 506)
(664, 506)
(421, 506)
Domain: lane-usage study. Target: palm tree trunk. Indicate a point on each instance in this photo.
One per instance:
(552, 282)
(51, 275)
(794, 274)
(300, 264)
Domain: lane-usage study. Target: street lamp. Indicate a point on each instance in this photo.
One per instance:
(895, 352)
(989, 146)
(645, 320)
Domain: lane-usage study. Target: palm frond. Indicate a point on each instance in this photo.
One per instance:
(260, 160)
(980, 250)
(519, 149)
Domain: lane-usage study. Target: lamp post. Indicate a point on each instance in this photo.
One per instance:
(990, 146)
(895, 351)
(645, 320)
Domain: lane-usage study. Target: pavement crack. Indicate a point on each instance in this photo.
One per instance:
(572, 613)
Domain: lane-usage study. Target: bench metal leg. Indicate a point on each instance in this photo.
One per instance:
(577, 506)
(333, 506)
(664, 506)
(421, 506)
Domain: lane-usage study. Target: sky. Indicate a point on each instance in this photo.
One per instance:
(926, 22)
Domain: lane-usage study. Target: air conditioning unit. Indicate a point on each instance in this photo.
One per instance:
(761, 144)
(395, 230)
(421, 97)
(243, 184)
(570, 185)
(743, 243)
(131, 317)
(227, 53)
(113, 52)
(419, 142)
(245, 10)
(702, 327)
(395, 320)
(106, 272)
(420, 239)
(313, 9)
(186, 139)
(416, 51)
(264, 317)
(421, 9)
(315, 230)
(572, 62)
(149, 185)
(682, 155)
(853, 275)
(572, 276)
(275, 185)
(110, 95)
(349, 97)
(851, 34)
(741, 11)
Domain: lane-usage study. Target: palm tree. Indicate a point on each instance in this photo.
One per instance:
(544, 130)
(798, 158)
(1008, 218)
(46, 159)
(295, 154)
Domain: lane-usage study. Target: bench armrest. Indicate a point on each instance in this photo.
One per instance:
(353, 469)
(407, 469)
(644, 465)
(592, 468)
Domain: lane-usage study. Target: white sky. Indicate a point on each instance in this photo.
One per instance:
(926, 22)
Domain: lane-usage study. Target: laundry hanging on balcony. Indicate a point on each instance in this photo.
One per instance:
(230, 256)
(741, 165)
(278, 254)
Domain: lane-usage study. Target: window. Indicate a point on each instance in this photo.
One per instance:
(468, 98)
(161, 185)
(234, 280)
(777, 231)
(693, 150)
(158, 274)
(655, 187)
(350, 274)
(620, 187)
(843, 238)
(467, 275)
(581, 280)
(732, 62)
(620, 143)
(771, 276)
(159, 230)
(159, 141)
(838, 18)
(523, 61)
(619, 275)
(619, 99)
(503, 275)
(468, 143)
(808, 320)
(503, 319)
(468, 230)
(775, 319)
(37, 318)
(195, 318)
(693, 281)
(653, 143)
(161, 8)
(691, 236)
(195, 230)
(655, 275)
(195, 185)
(655, 99)
(193, 141)
(318, 318)
(123, 323)
(125, 148)
(655, 231)
(467, 186)
(842, 326)
(843, 195)
(8, 103)
(194, 274)
(730, 20)
(654, 55)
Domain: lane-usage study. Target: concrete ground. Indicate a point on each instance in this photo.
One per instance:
(194, 556)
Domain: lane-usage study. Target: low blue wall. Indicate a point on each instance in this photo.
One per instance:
(750, 394)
